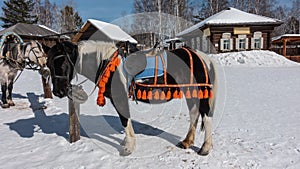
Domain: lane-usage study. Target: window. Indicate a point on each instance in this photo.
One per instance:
(226, 42)
(257, 41)
(241, 42)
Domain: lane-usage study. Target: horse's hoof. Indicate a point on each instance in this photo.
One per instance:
(11, 103)
(182, 145)
(202, 152)
(4, 106)
(125, 152)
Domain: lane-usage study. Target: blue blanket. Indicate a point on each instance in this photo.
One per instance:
(150, 68)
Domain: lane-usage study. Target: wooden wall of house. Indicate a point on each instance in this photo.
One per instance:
(217, 31)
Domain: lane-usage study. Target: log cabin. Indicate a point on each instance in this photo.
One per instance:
(231, 30)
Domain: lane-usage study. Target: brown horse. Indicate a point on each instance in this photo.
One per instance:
(188, 75)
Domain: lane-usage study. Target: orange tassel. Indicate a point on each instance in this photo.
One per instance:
(149, 96)
(188, 94)
(194, 93)
(107, 74)
(211, 94)
(180, 95)
(112, 68)
(168, 94)
(104, 79)
(101, 84)
(175, 94)
(139, 94)
(102, 89)
(200, 94)
(101, 100)
(144, 96)
(156, 95)
(205, 95)
(117, 62)
(162, 95)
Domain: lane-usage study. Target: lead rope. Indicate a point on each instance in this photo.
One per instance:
(18, 77)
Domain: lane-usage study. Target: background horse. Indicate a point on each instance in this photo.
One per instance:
(92, 58)
(15, 57)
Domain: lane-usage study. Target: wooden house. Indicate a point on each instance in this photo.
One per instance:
(231, 30)
(37, 32)
(287, 45)
(102, 31)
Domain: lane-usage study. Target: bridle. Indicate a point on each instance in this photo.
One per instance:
(30, 63)
(74, 91)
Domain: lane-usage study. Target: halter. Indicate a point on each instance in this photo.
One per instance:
(32, 65)
(74, 91)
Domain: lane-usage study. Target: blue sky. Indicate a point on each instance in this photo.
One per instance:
(109, 10)
(105, 10)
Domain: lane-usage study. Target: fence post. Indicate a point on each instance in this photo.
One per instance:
(46, 88)
(74, 124)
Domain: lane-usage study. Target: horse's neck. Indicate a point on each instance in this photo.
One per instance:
(91, 56)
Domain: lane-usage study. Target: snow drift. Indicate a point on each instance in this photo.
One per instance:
(254, 58)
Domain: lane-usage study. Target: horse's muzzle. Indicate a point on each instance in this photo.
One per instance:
(45, 72)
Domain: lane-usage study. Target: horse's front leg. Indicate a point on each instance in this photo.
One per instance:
(4, 95)
(9, 97)
(119, 98)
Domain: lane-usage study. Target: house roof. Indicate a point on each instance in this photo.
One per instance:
(287, 37)
(233, 16)
(108, 32)
(33, 30)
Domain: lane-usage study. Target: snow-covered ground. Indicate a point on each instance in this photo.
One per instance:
(256, 125)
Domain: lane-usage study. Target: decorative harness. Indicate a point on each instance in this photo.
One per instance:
(150, 91)
(163, 91)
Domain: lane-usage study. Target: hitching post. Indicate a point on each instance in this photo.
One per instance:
(74, 124)
(46, 88)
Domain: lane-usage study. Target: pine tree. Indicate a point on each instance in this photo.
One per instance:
(70, 20)
(17, 11)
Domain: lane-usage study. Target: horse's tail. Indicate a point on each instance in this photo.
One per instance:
(213, 76)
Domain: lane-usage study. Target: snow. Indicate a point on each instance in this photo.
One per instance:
(256, 125)
(254, 58)
(114, 32)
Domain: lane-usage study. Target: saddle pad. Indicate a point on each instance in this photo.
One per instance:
(150, 67)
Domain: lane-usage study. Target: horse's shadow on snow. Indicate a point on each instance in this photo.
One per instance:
(98, 127)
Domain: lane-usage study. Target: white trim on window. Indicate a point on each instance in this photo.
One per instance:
(241, 43)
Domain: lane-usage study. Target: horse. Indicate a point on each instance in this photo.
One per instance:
(15, 57)
(66, 58)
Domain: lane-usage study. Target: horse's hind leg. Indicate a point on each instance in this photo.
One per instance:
(9, 97)
(207, 125)
(4, 97)
(194, 117)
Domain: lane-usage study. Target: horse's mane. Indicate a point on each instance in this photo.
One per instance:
(91, 54)
(103, 49)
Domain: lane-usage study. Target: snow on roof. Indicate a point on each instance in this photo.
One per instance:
(24, 29)
(114, 32)
(285, 35)
(232, 16)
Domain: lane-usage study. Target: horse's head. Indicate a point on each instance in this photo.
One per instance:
(61, 60)
(36, 57)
